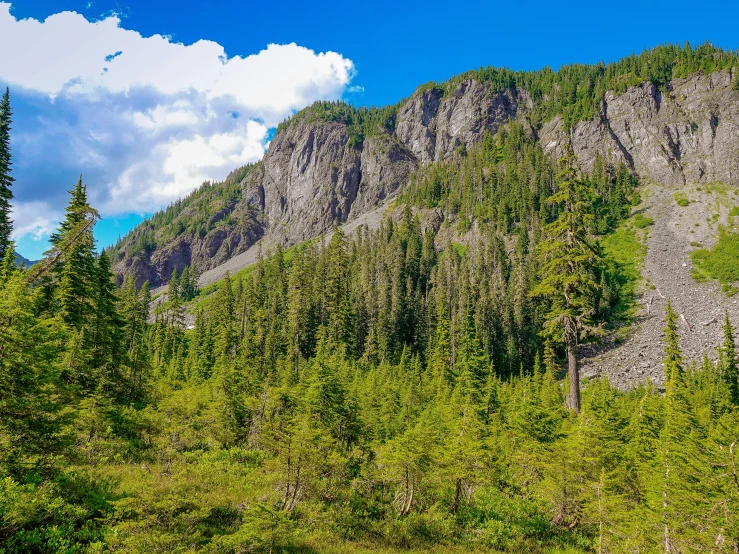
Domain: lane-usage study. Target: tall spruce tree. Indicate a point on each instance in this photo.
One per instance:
(77, 273)
(6, 181)
(730, 373)
(673, 356)
(568, 265)
(107, 326)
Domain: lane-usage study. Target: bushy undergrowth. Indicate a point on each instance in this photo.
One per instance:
(720, 262)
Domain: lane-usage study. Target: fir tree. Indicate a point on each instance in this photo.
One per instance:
(77, 272)
(6, 180)
(226, 336)
(673, 356)
(107, 325)
(730, 373)
(568, 265)
(7, 264)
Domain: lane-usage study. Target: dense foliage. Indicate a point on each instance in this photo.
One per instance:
(224, 439)
(720, 261)
(392, 390)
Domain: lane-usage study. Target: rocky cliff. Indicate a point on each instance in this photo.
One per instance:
(315, 174)
(688, 133)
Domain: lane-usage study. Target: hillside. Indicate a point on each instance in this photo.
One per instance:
(21, 260)
(669, 114)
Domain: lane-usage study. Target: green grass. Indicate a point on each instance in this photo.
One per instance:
(626, 247)
(717, 187)
(681, 199)
(641, 221)
(459, 248)
(720, 262)
(734, 212)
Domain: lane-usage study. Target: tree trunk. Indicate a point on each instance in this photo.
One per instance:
(573, 371)
(457, 496)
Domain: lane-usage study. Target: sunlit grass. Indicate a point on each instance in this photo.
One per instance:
(720, 262)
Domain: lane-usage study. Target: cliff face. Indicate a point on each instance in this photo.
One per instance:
(432, 125)
(688, 134)
(314, 176)
(230, 228)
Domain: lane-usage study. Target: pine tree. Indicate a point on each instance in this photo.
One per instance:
(683, 497)
(673, 356)
(6, 180)
(185, 284)
(440, 364)
(30, 391)
(678, 490)
(77, 272)
(730, 373)
(134, 310)
(226, 336)
(175, 302)
(7, 264)
(568, 263)
(334, 285)
(107, 324)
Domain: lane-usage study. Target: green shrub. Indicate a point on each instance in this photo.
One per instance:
(463, 225)
(720, 262)
(641, 221)
(681, 199)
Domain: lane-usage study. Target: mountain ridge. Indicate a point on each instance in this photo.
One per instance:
(331, 163)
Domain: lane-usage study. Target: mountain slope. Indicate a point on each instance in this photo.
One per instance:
(21, 260)
(332, 163)
(667, 268)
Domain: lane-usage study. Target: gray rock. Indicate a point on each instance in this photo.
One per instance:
(689, 134)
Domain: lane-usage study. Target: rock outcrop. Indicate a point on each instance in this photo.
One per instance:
(313, 177)
(431, 125)
(685, 135)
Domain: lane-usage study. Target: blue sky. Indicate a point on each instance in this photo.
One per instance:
(150, 123)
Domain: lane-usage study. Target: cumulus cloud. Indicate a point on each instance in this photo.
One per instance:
(34, 218)
(145, 119)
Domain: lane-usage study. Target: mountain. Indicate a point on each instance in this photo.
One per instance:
(21, 260)
(670, 114)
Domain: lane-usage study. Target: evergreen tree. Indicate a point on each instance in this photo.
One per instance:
(568, 263)
(7, 264)
(106, 328)
(673, 356)
(225, 323)
(77, 272)
(730, 373)
(6, 180)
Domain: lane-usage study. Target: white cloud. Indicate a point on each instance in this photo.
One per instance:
(68, 53)
(185, 164)
(34, 218)
(165, 116)
(147, 119)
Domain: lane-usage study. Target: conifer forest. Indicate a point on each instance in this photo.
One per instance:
(386, 389)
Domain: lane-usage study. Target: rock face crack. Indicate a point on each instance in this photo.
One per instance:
(629, 159)
(689, 135)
